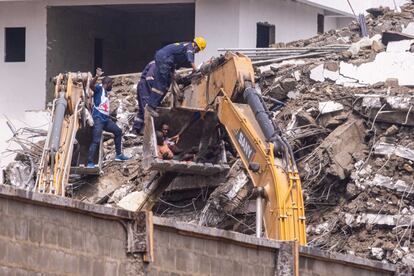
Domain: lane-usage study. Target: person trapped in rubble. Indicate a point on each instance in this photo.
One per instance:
(164, 151)
(170, 141)
(167, 60)
(144, 86)
(101, 120)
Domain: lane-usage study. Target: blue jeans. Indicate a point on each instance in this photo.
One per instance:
(99, 126)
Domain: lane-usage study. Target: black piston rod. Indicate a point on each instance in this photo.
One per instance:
(269, 130)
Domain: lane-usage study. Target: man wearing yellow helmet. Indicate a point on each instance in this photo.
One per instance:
(167, 60)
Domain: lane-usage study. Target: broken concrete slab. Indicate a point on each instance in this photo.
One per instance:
(389, 183)
(386, 65)
(382, 148)
(409, 29)
(335, 152)
(316, 73)
(399, 46)
(331, 75)
(329, 107)
(377, 253)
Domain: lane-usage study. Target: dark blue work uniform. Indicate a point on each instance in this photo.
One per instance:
(168, 59)
(143, 93)
(102, 122)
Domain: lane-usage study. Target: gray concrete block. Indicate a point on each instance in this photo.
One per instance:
(4, 270)
(38, 257)
(165, 257)
(3, 206)
(122, 269)
(21, 230)
(91, 243)
(54, 260)
(104, 246)
(110, 268)
(70, 264)
(204, 265)
(77, 238)
(238, 252)
(118, 249)
(183, 261)
(253, 256)
(161, 238)
(17, 253)
(20, 209)
(180, 241)
(210, 247)
(81, 221)
(85, 265)
(267, 257)
(7, 226)
(217, 266)
(223, 250)
(3, 249)
(22, 272)
(35, 231)
(98, 268)
(50, 233)
(64, 237)
(269, 271)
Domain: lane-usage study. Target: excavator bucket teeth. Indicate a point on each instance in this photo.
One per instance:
(199, 139)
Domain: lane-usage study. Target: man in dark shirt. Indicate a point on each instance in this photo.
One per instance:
(144, 86)
(101, 120)
(167, 60)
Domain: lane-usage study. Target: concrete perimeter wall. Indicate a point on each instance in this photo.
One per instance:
(49, 235)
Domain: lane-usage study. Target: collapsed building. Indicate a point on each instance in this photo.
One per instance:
(343, 101)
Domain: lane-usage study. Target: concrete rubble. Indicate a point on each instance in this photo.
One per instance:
(347, 115)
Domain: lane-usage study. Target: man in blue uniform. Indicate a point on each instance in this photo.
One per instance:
(143, 95)
(167, 60)
(101, 120)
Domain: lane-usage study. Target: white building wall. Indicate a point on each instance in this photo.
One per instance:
(23, 83)
(359, 6)
(218, 21)
(293, 20)
(224, 23)
(232, 23)
(331, 23)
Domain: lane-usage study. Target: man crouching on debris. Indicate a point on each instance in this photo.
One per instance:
(101, 120)
(144, 86)
(167, 60)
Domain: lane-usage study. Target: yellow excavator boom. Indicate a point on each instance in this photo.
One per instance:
(225, 88)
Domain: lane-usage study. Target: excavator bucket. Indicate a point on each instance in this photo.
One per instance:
(199, 139)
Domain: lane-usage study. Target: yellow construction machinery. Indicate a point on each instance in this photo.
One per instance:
(225, 89)
(69, 135)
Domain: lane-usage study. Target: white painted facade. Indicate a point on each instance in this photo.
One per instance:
(224, 23)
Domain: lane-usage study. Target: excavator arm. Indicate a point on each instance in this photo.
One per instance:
(284, 216)
(68, 117)
(227, 87)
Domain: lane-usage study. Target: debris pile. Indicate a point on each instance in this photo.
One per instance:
(349, 118)
(348, 115)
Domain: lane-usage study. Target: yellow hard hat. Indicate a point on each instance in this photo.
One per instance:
(201, 42)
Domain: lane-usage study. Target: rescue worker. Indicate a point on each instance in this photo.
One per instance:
(101, 120)
(167, 60)
(143, 94)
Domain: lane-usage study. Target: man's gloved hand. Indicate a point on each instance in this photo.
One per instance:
(99, 72)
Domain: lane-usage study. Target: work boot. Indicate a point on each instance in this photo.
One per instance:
(121, 157)
(152, 111)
